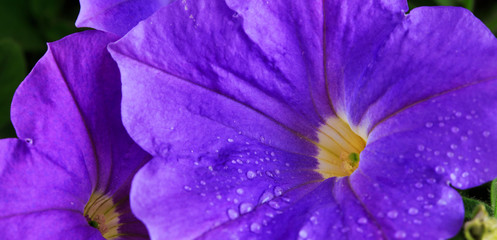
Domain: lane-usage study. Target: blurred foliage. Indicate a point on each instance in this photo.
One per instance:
(25, 28)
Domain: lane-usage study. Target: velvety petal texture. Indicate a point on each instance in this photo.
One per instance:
(116, 16)
(71, 145)
(231, 97)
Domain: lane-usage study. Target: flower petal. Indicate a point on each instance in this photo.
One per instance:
(116, 16)
(433, 51)
(246, 191)
(214, 85)
(67, 113)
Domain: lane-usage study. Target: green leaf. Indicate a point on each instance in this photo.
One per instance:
(470, 205)
(493, 197)
(12, 72)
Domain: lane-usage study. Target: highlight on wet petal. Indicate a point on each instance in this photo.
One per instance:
(315, 126)
(68, 175)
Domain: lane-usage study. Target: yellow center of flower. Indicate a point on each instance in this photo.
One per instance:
(339, 149)
(100, 211)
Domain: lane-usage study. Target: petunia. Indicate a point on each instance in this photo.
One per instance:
(116, 16)
(308, 119)
(68, 175)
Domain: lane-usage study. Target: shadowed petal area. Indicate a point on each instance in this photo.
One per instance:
(116, 16)
(433, 51)
(67, 113)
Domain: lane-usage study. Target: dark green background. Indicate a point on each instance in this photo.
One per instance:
(26, 26)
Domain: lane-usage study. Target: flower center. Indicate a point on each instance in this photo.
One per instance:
(100, 211)
(339, 149)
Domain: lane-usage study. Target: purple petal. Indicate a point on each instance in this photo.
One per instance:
(116, 16)
(434, 50)
(236, 84)
(67, 113)
(201, 80)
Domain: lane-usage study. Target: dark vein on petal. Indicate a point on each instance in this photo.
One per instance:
(325, 61)
(92, 143)
(366, 209)
(40, 211)
(430, 98)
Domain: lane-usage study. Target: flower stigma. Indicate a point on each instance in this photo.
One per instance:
(100, 212)
(339, 149)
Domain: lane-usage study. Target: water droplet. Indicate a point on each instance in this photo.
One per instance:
(392, 214)
(413, 211)
(187, 188)
(274, 204)
(250, 174)
(465, 174)
(232, 214)
(266, 196)
(246, 207)
(303, 233)
(255, 227)
(450, 154)
(314, 220)
(29, 140)
(486, 133)
(431, 180)
(400, 234)
(269, 174)
(453, 146)
(362, 220)
(278, 191)
(418, 185)
(477, 160)
(239, 191)
(230, 140)
(454, 129)
(439, 169)
(429, 124)
(421, 147)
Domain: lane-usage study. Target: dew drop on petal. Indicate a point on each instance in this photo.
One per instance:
(454, 129)
(278, 191)
(477, 160)
(255, 227)
(232, 214)
(413, 211)
(250, 174)
(362, 220)
(246, 207)
(392, 214)
(465, 174)
(266, 196)
(239, 191)
(439, 169)
(303, 233)
(486, 133)
(274, 204)
(450, 154)
(429, 124)
(418, 185)
(400, 234)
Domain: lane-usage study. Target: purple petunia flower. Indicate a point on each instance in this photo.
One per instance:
(308, 119)
(116, 16)
(68, 175)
